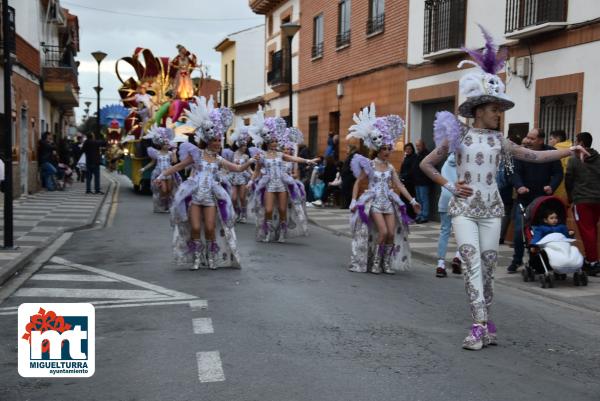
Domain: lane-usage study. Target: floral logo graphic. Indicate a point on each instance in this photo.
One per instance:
(44, 321)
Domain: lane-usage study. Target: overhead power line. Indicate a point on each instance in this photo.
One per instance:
(114, 12)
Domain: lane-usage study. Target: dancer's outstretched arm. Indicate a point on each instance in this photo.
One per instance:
(296, 159)
(544, 156)
(178, 167)
(238, 168)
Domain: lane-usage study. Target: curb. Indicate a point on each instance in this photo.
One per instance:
(513, 284)
(16, 265)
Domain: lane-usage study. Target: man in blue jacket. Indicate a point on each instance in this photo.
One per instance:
(532, 180)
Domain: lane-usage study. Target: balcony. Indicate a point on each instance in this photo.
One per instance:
(375, 24)
(263, 6)
(59, 72)
(526, 18)
(277, 77)
(444, 28)
(342, 39)
(317, 50)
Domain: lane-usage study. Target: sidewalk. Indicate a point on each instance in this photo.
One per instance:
(41, 218)
(423, 240)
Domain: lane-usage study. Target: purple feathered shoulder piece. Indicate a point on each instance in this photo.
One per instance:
(446, 127)
(253, 150)
(227, 154)
(360, 163)
(186, 149)
(152, 153)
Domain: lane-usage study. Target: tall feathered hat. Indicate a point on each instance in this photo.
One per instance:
(160, 135)
(208, 122)
(291, 138)
(376, 131)
(265, 130)
(240, 136)
(483, 85)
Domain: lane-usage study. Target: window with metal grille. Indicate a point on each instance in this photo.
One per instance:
(343, 35)
(444, 25)
(376, 20)
(521, 14)
(559, 112)
(317, 48)
(313, 134)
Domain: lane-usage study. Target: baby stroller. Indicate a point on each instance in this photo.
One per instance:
(539, 263)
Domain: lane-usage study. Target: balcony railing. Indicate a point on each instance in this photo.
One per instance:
(317, 50)
(375, 24)
(444, 25)
(521, 14)
(279, 68)
(57, 57)
(342, 39)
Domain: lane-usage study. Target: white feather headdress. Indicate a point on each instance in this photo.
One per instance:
(374, 131)
(208, 122)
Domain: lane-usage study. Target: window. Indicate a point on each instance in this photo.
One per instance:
(226, 88)
(270, 25)
(232, 85)
(343, 36)
(313, 134)
(559, 112)
(317, 48)
(444, 26)
(376, 20)
(521, 14)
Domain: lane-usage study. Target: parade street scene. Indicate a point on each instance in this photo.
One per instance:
(300, 200)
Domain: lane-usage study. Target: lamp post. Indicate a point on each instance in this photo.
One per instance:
(289, 29)
(98, 56)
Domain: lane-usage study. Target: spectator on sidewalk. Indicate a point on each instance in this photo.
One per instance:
(409, 163)
(76, 155)
(531, 180)
(46, 154)
(348, 178)
(93, 158)
(422, 183)
(583, 190)
(558, 140)
(449, 173)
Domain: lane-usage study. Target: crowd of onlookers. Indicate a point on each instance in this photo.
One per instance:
(58, 163)
(576, 182)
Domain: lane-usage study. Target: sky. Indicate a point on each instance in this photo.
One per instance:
(199, 25)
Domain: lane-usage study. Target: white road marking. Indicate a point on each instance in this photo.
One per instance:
(210, 368)
(119, 277)
(58, 267)
(70, 277)
(202, 325)
(8, 255)
(85, 293)
(117, 303)
(198, 305)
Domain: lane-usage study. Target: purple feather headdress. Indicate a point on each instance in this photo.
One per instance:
(490, 60)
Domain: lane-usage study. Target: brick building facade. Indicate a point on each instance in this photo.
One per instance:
(360, 59)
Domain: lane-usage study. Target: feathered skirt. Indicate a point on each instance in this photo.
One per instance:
(297, 222)
(162, 204)
(226, 240)
(365, 235)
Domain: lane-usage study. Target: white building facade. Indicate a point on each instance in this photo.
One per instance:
(276, 87)
(553, 47)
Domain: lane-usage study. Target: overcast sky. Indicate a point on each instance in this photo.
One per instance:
(118, 34)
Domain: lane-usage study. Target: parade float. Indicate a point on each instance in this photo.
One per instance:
(157, 93)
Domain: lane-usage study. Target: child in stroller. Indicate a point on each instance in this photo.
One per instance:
(549, 242)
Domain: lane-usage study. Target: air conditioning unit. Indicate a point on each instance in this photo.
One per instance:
(523, 66)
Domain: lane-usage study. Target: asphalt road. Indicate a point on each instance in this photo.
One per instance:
(293, 324)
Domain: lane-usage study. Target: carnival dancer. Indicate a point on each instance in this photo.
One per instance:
(379, 221)
(201, 202)
(271, 184)
(476, 206)
(162, 190)
(297, 218)
(239, 181)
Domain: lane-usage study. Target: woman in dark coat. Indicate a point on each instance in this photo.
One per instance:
(410, 163)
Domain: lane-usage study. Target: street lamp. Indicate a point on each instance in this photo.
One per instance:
(98, 56)
(289, 29)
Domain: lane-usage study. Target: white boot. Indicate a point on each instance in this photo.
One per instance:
(198, 249)
(213, 251)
